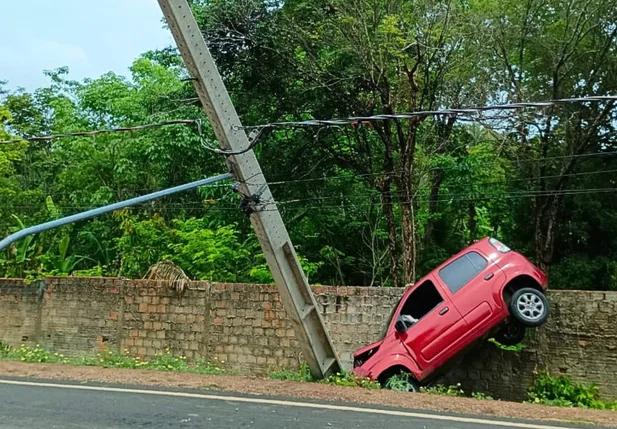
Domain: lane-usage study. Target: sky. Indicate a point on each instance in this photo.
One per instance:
(90, 37)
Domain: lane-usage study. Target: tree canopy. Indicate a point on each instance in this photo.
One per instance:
(378, 203)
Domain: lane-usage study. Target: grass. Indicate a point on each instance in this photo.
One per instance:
(339, 379)
(516, 348)
(454, 390)
(562, 391)
(165, 361)
(303, 374)
(547, 390)
(350, 379)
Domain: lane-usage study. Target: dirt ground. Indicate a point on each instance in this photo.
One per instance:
(260, 386)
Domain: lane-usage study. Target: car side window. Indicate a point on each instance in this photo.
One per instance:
(460, 271)
(422, 300)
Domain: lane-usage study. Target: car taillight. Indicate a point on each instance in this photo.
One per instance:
(499, 245)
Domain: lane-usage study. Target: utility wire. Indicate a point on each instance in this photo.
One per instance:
(461, 197)
(485, 197)
(105, 131)
(214, 201)
(525, 179)
(469, 111)
(446, 196)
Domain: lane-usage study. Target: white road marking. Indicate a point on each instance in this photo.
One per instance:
(320, 406)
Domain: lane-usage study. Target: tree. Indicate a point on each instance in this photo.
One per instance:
(548, 50)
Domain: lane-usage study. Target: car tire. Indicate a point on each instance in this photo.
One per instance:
(529, 306)
(511, 333)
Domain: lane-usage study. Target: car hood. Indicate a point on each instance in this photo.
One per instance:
(367, 348)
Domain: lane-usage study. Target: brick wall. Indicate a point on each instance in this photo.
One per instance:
(579, 340)
(246, 326)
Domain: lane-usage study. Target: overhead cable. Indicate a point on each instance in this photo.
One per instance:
(104, 131)
(468, 111)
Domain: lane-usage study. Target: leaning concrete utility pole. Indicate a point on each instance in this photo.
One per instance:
(287, 272)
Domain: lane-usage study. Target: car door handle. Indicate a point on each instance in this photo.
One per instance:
(443, 311)
(489, 276)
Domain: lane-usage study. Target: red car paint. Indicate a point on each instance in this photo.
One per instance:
(476, 309)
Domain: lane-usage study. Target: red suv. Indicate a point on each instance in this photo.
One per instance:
(485, 291)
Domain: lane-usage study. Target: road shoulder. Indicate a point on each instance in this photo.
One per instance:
(221, 384)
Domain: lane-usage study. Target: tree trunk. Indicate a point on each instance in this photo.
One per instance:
(472, 225)
(409, 229)
(387, 203)
(444, 130)
(409, 260)
(433, 205)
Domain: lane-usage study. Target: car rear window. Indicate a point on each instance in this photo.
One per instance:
(460, 271)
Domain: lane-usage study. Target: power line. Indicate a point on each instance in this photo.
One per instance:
(213, 202)
(526, 179)
(448, 196)
(462, 197)
(485, 197)
(469, 111)
(104, 131)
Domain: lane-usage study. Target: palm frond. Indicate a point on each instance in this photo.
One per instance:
(170, 272)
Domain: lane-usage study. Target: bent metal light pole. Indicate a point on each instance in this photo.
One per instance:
(109, 208)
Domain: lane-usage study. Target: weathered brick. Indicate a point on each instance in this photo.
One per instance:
(247, 325)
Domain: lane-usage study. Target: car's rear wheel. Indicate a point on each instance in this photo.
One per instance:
(511, 333)
(529, 306)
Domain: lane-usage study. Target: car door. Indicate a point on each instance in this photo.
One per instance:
(471, 280)
(439, 323)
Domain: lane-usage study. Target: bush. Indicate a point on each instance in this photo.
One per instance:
(111, 359)
(350, 379)
(481, 396)
(563, 392)
(4, 350)
(453, 390)
(401, 382)
(339, 379)
(34, 355)
(168, 362)
(203, 366)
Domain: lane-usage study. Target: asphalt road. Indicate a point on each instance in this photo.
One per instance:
(33, 405)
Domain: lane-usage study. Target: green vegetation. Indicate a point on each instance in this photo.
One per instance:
(339, 379)
(165, 361)
(482, 396)
(401, 383)
(546, 390)
(303, 374)
(454, 390)
(350, 379)
(438, 389)
(372, 204)
(561, 391)
(516, 348)
(31, 355)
